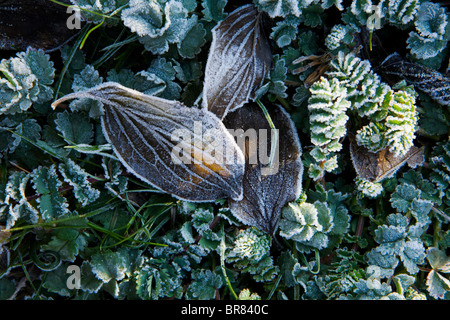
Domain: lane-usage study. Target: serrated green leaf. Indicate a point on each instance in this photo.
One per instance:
(77, 177)
(46, 183)
(204, 285)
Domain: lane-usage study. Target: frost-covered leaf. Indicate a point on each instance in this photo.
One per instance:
(74, 127)
(267, 187)
(285, 31)
(46, 183)
(89, 282)
(77, 177)
(204, 285)
(185, 151)
(25, 80)
(424, 79)
(56, 281)
(159, 80)
(67, 242)
(307, 224)
(87, 78)
(193, 39)
(340, 35)
(437, 284)
(432, 31)
(403, 196)
(160, 23)
(239, 60)
(413, 254)
(247, 295)
(16, 205)
(109, 265)
(251, 253)
(377, 166)
(438, 260)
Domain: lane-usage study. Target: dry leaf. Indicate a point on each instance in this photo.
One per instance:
(430, 81)
(239, 60)
(183, 151)
(376, 166)
(266, 190)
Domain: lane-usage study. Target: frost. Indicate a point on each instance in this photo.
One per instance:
(437, 284)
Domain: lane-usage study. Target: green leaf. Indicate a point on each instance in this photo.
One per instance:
(193, 40)
(279, 8)
(7, 288)
(403, 196)
(87, 78)
(437, 285)
(214, 10)
(89, 282)
(74, 127)
(307, 224)
(67, 242)
(56, 281)
(413, 254)
(109, 265)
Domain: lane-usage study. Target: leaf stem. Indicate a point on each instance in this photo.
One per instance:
(274, 135)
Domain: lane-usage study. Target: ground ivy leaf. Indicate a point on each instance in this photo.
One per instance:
(56, 281)
(108, 266)
(74, 127)
(437, 285)
(193, 40)
(413, 253)
(67, 242)
(89, 282)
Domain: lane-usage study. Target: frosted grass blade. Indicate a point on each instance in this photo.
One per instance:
(184, 151)
(239, 59)
(266, 190)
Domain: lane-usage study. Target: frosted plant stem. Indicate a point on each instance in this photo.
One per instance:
(274, 135)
